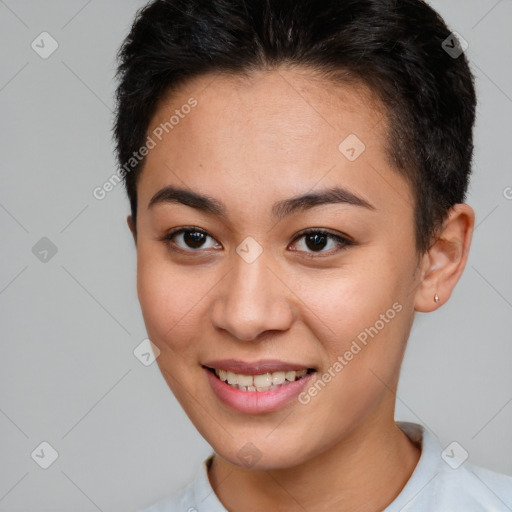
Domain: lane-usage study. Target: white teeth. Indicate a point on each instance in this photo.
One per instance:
(263, 382)
(278, 378)
(243, 380)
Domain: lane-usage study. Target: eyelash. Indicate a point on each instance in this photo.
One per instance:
(343, 241)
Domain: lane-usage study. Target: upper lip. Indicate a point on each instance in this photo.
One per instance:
(256, 367)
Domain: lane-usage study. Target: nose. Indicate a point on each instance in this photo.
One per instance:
(252, 300)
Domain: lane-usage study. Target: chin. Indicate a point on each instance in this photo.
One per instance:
(264, 454)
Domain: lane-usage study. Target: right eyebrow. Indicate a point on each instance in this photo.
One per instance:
(186, 197)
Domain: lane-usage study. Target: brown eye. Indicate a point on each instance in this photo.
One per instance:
(194, 239)
(190, 239)
(317, 240)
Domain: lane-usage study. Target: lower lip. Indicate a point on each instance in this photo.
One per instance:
(256, 402)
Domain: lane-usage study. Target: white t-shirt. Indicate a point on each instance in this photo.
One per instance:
(443, 481)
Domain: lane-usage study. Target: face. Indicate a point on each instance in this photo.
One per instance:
(259, 284)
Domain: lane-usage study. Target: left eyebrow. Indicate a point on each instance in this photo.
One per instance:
(281, 209)
(326, 196)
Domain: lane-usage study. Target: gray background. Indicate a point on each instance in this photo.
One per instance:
(69, 326)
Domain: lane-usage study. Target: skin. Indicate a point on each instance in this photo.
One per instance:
(250, 143)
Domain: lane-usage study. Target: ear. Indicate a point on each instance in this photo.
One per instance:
(133, 228)
(446, 259)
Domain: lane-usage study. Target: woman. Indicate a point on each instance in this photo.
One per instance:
(297, 174)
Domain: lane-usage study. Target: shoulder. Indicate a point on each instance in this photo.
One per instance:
(470, 488)
(481, 485)
(195, 496)
(181, 500)
(444, 481)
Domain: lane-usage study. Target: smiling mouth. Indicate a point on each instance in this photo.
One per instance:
(262, 382)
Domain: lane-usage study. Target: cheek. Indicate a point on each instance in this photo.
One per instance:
(170, 298)
(363, 346)
(343, 302)
(361, 314)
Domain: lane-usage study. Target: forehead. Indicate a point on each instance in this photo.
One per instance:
(274, 133)
(273, 104)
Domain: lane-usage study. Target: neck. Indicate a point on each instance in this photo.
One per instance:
(364, 471)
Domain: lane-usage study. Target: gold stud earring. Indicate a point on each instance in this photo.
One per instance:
(436, 298)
